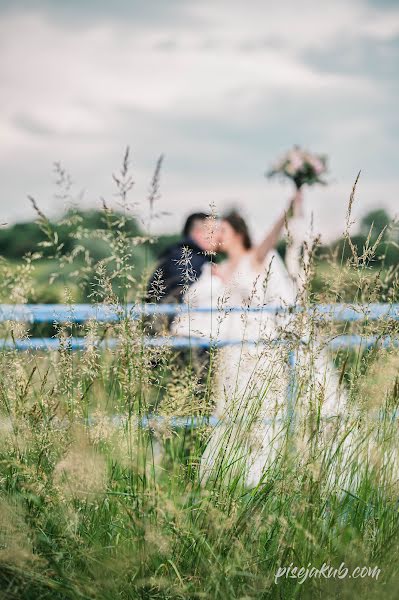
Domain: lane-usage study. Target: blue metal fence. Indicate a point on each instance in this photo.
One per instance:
(80, 313)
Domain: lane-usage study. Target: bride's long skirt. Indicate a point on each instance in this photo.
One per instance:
(268, 408)
(251, 407)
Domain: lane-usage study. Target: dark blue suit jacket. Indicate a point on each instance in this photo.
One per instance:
(174, 273)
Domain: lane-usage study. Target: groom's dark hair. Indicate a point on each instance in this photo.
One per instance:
(235, 220)
(191, 220)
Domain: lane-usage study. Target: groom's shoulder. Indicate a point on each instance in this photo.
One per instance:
(173, 250)
(179, 247)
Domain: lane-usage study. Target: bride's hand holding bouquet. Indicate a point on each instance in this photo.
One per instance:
(295, 208)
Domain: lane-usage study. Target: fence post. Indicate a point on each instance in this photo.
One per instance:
(291, 391)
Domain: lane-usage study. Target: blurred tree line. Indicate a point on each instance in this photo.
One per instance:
(66, 251)
(375, 226)
(22, 238)
(82, 229)
(376, 229)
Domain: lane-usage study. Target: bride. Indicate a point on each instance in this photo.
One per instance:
(252, 373)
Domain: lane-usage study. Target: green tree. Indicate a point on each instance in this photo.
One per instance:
(376, 220)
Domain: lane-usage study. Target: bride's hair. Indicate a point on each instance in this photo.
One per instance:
(235, 220)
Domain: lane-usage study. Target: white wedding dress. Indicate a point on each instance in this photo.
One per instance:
(253, 394)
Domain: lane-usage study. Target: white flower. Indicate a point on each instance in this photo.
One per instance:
(290, 169)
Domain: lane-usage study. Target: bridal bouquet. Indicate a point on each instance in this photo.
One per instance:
(301, 167)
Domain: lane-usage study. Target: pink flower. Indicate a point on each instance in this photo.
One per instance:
(296, 160)
(317, 164)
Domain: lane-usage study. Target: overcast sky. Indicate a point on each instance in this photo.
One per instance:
(221, 87)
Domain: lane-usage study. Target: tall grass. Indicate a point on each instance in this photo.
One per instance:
(93, 505)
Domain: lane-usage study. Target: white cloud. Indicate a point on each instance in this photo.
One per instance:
(206, 93)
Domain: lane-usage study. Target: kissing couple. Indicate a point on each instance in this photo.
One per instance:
(252, 374)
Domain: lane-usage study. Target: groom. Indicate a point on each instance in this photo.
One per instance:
(178, 267)
(181, 264)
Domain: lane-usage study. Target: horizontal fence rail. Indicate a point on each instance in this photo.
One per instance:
(104, 313)
(153, 421)
(80, 343)
(156, 422)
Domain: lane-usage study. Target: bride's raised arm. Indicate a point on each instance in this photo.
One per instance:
(271, 239)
